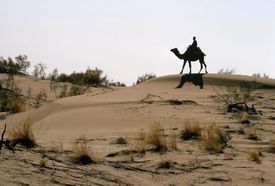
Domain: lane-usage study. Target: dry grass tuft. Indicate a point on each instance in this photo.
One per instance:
(254, 155)
(155, 137)
(83, 152)
(215, 138)
(164, 163)
(23, 134)
(252, 135)
(140, 142)
(43, 162)
(17, 105)
(192, 130)
(121, 141)
(244, 118)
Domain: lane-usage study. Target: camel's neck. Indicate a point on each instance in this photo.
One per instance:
(177, 53)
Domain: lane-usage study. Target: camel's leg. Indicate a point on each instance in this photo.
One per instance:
(201, 67)
(204, 66)
(183, 65)
(190, 67)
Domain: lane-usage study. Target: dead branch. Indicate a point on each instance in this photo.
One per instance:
(2, 138)
(7, 143)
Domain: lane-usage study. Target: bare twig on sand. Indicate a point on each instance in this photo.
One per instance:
(6, 142)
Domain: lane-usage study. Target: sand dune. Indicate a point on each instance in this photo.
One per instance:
(104, 115)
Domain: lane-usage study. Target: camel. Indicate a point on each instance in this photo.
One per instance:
(188, 56)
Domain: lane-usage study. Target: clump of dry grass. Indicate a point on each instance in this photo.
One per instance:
(192, 130)
(23, 134)
(155, 137)
(17, 105)
(43, 162)
(165, 163)
(215, 139)
(252, 135)
(140, 142)
(121, 141)
(254, 155)
(244, 118)
(82, 152)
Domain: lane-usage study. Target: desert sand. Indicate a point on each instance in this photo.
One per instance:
(104, 114)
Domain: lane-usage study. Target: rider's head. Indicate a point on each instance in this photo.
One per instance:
(194, 38)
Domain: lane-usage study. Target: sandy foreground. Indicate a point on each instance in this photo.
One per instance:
(103, 115)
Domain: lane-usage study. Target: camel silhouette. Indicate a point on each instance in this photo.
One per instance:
(190, 57)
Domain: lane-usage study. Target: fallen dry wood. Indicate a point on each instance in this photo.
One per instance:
(6, 142)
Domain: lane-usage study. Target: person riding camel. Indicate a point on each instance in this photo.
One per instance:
(194, 49)
(194, 44)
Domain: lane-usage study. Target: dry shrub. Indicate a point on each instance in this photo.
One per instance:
(140, 142)
(215, 138)
(82, 152)
(252, 135)
(43, 162)
(23, 134)
(164, 163)
(155, 137)
(244, 118)
(17, 105)
(254, 155)
(40, 98)
(239, 94)
(121, 141)
(192, 130)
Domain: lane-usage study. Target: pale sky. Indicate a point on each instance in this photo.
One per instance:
(128, 38)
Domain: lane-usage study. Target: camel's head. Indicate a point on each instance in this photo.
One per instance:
(173, 49)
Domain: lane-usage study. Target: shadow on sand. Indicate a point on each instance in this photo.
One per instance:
(196, 79)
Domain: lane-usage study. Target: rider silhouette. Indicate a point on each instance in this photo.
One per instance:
(194, 44)
(194, 49)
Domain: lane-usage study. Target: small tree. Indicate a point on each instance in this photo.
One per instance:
(23, 63)
(39, 70)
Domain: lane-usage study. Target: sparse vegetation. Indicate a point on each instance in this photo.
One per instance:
(252, 134)
(155, 137)
(140, 142)
(23, 134)
(144, 78)
(264, 75)
(64, 89)
(192, 130)
(17, 66)
(232, 95)
(82, 152)
(77, 90)
(121, 141)
(10, 97)
(226, 71)
(165, 164)
(244, 118)
(40, 98)
(91, 77)
(254, 155)
(43, 162)
(215, 138)
(39, 70)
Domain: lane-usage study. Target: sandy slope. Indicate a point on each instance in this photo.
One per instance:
(102, 116)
